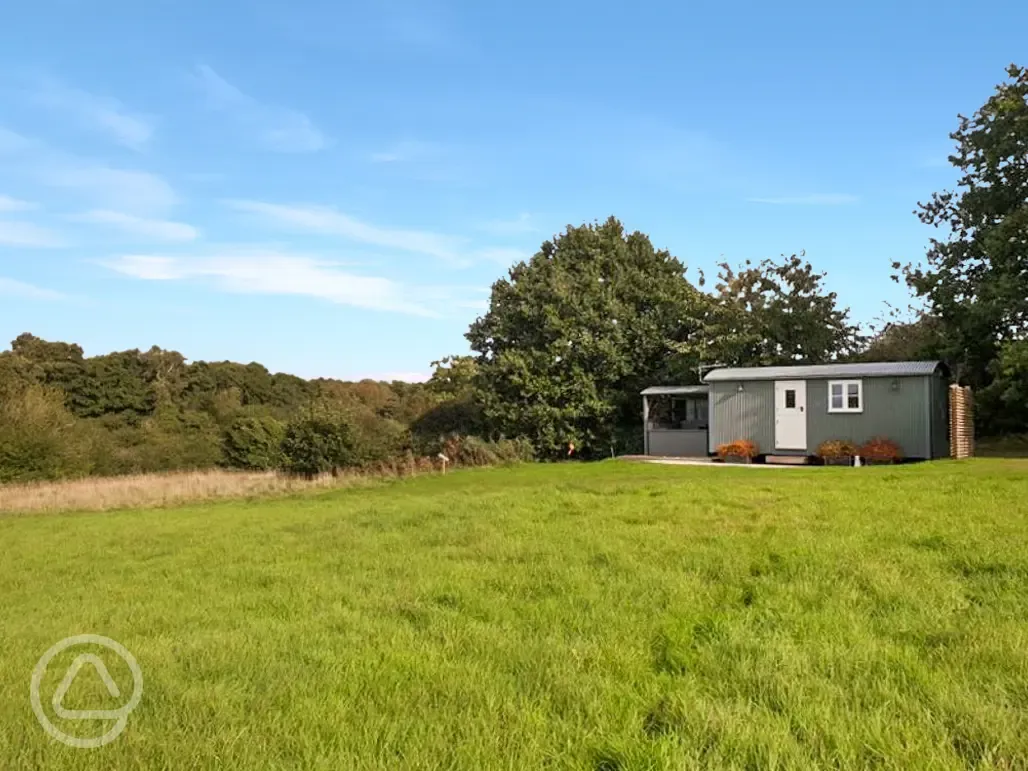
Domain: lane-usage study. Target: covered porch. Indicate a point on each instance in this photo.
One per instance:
(676, 421)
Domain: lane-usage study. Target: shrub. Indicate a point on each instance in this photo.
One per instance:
(39, 438)
(837, 448)
(514, 450)
(377, 439)
(254, 442)
(881, 449)
(461, 416)
(423, 465)
(475, 451)
(174, 440)
(316, 443)
(469, 451)
(742, 448)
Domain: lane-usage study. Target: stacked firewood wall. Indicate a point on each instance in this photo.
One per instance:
(961, 422)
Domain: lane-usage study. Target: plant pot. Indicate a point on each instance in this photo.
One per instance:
(844, 460)
(738, 459)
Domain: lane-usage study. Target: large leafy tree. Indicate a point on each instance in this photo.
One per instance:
(975, 276)
(59, 365)
(777, 312)
(574, 333)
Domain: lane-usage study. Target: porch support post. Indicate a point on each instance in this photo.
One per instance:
(646, 425)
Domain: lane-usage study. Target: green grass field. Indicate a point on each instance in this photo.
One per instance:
(606, 616)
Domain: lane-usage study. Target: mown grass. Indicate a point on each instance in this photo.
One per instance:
(607, 616)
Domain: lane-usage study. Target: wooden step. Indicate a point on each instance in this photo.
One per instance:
(786, 460)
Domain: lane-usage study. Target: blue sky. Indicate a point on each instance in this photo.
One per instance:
(330, 188)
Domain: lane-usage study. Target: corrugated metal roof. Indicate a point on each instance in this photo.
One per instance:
(664, 390)
(813, 371)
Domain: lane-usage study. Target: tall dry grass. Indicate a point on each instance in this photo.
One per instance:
(155, 490)
(142, 491)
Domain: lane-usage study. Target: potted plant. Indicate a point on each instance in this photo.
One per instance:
(739, 451)
(837, 452)
(880, 452)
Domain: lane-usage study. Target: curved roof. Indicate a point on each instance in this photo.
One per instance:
(814, 371)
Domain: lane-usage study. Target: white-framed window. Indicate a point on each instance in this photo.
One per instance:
(845, 396)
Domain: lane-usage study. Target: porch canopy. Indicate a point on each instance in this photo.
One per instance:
(675, 420)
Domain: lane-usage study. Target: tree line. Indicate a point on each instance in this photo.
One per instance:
(569, 339)
(63, 414)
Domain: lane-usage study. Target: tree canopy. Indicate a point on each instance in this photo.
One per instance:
(777, 312)
(974, 279)
(572, 334)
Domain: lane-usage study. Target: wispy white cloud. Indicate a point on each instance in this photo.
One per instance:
(98, 113)
(276, 273)
(157, 229)
(98, 184)
(520, 225)
(817, 199)
(329, 221)
(423, 161)
(12, 142)
(139, 192)
(8, 204)
(275, 128)
(406, 150)
(27, 234)
(11, 287)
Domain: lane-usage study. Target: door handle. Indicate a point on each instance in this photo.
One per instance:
(801, 409)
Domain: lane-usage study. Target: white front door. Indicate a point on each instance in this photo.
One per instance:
(790, 414)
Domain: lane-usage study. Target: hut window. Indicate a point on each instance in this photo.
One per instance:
(845, 396)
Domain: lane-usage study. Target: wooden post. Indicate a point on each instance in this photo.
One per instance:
(646, 425)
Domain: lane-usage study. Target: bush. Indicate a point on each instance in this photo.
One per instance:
(254, 442)
(742, 448)
(514, 450)
(475, 451)
(469, 451)
(317, 443)
(837, 448)
(175, 440)
(881, 449)
(39, 438)
(423, 465)
(453, 417)
(377, 439)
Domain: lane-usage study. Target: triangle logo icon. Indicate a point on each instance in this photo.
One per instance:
(86, 714)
